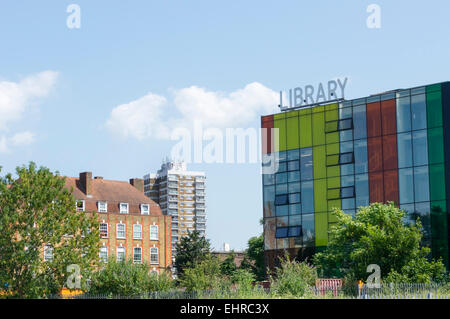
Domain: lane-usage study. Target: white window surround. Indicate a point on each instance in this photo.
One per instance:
(154, 256)
(154, 232)
(145, 209)
(102, 206)
(103, 230)
(123, 208)
(121, 231)
(120, 254)
(137, 255)
(103, 254)
(137, 231)
(80, 208)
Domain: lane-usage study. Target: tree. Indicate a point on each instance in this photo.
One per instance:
(228, 267)
(190, 250)
(377, 235)
(128, 279)
(254, 257)
(37, 210)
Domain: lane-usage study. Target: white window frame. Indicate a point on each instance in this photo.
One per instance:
(137, 232)
(143, 212)
(153, 253)
(82, 209)
(107, 230)
(120, 249)
(123, 211)
(103, 254)
(100, 210)
(157, 232)
(134, 255)
(124, 231)
(48, 253)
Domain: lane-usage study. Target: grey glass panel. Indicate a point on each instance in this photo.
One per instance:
(308, 230)
(422, 211)
(420, 148)
(418, 112)
(403, 114)
(281, 189)
(348, 169)
(294, 176)
(360, 153)
(282, 211)
(346, 147)
(294, 231)
(421, 184)
(282, 156)
(345, 113)
(293, 165)
(345, 124)
(307, 197)
(268, 179)
(281, 178)
(348, 203)
(409, 209)
(404, 150)
(347, 181)
(346, 135)
(295, 220)
(295, 209)
(419, 90)
(281, 232)
(347, 192)
(359, 119)
(306, 163)
(406, 185)
(293, 155)
(294, 198)
(362, 189)
(282, 167)
(269, 199)
(345, 158)
(281, 199)
(294, 187)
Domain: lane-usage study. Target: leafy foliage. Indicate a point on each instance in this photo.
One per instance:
(254, 257)
(128, 279)
(190, 250)
(293, 278)
(228, 267)
(36, 210)
(377, 235)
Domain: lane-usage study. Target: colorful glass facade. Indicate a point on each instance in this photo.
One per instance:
(387, 147)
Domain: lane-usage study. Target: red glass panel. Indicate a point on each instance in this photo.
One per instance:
(375, 154)
(391, 186)
(266, 134)
(390, 160)
(376, 187)
(373, 115)
(388, 117)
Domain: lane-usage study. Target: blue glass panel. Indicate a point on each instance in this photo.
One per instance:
(281, 178)
(404, 150)
(418, 112)
(406, 185)
(295, 220)
(403, 114)
(308, 230)
(307, 197)
(306, 164)
(421, 184)
(294, 176)
(359, 118)
(420, 148)
(360, 153)
(362, 190)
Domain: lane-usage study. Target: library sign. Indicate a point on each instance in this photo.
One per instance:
(302, 97)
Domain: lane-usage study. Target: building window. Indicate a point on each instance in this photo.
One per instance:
(145, 209)
(120, 230)
(281, 199)
(79, 205)
(293, 231)
(137, 231)
(154, 256)
(102, 207)
(137, 255)
(120, 254)
(48, 253)
(123, 208)
(104, 254)
(103, 230)
(154, 232)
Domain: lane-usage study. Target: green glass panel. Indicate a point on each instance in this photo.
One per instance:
(331, 107)
(281, 125)
(332, 160)
(321, 228)
(319, 162)
(331, 115)
(305, 111)
(320, 195)
(333, 171)
(318, 126)
(305, 131)
(434, 87)
(332, 137)
(332, 149)
(292, 133)
(434, 109)
(279, 116)
(333, 193)
(435, 145)
(439, 233)
(331, 126)
(292, 114)
(318, 109)
(437, 182)
(334, 182)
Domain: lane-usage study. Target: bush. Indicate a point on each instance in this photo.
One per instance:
(127, 279)
(293, 278)
(243, 279)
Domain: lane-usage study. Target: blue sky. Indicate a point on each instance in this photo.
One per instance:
(59, 86)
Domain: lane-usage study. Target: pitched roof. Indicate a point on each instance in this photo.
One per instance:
(111, 191)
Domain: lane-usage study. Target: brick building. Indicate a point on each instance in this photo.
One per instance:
(132, 225)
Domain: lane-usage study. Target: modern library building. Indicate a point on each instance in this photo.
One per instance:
(393, 146)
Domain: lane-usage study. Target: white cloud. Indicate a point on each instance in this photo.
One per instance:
(15, 97)
(17, 140)
(143, 118)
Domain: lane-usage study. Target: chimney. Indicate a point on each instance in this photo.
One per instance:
(138, 183)
(86, 182)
